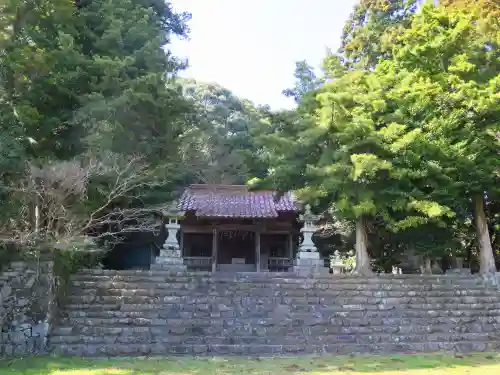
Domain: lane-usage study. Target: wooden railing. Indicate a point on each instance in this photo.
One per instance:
(275, 264)
(279, 264)
(198, 263)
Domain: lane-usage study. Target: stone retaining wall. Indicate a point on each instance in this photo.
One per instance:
(26, 304)
(126, 313)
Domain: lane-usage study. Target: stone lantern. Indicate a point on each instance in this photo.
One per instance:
(170, 257)
(308, 262)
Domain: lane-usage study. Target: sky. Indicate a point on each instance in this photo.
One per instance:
(251, 46)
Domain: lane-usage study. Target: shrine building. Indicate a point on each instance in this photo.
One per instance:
(229, 228)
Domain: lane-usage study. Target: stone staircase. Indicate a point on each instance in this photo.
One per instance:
(127, 313)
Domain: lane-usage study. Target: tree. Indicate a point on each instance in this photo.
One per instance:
(74, 199)
(372, 28)
(352, 154)
(306, 82)
(487, 8)
(217, 145)
(80, 81)
(447, 65)
(38, 76)
(133, 104)
(278, 139)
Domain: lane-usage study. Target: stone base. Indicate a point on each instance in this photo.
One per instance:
(169, 259)
(337, 269)
(308, 264)
(311, 271)
(170, 253)
(459, 271)
(169, 267)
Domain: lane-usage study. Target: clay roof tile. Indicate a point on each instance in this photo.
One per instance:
(234, 201)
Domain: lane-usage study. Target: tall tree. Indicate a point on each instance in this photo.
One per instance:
(133, 105)
(91, 82)
(40, 76)
(306, 81)
(354, 155)
(372, 28)
(217, 145)
(448, 64)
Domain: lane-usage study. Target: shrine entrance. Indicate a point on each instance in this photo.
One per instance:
(236, 251)
(229, 228)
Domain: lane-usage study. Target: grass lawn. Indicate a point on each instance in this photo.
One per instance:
(481, 364)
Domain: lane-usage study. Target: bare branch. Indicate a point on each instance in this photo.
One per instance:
(54, 199)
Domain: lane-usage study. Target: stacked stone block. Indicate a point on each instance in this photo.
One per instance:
(158, 313)
(169, 259)
(26, 305)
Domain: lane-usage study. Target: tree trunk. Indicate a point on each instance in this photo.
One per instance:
(436, 268)
(486, 258)
(427, 267)
(363, 266)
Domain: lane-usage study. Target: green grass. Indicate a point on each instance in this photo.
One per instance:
(481, 364)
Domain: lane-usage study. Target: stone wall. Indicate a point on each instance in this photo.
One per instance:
(26, 306)
(157, 313)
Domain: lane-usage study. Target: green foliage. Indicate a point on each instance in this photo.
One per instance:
(39, 72)
(399, 132)
(220, 143)
(70, 257)
(346, 259)
(217, 144)
(372, 28)
(8, 253)
(404, 131)
(132, 105)
(83, 87)
(369, 160)
(448, 83)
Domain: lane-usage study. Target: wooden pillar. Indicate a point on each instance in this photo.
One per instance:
(181, 243)
(257, 251)
(214, 250)
(290, 245)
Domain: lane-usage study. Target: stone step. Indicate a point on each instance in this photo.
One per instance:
(228, 311)
(243, 285)
(305, 319)
(160, 313)
(147, 337)
(9, 274)
(273, 329)
(408, 302)
(161, 283)
(211, 293)
(266, 278)
(278, 298)
(257, 275)
(361, 317)
(130, 289)
(253, 275)
(160, 349)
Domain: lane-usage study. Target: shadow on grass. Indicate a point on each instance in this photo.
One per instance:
(324, 365)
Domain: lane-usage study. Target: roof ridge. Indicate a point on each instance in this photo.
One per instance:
(218, 186)
(234, 201)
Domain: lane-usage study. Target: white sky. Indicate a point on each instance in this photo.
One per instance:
(251, 46)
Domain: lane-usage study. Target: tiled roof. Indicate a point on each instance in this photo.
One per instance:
(234, 201)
